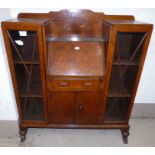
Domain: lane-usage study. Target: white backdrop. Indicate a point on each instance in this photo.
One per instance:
(146, 88)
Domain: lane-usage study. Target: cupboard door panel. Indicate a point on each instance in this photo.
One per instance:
(87, 107)
(61, 107)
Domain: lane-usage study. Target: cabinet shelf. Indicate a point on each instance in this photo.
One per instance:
(26, 62)
(75, 39)
(26, 57)
(116, 93)
(31, 95)
(125, 62)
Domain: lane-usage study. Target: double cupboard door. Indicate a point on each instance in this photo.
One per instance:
(74, 107)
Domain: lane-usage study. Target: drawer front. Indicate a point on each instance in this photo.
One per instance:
(73, 84)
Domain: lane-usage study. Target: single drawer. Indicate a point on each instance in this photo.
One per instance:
(73, 84)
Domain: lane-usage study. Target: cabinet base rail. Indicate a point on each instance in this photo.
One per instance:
(123, 128)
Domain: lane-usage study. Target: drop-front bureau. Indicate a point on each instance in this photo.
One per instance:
(75, 69)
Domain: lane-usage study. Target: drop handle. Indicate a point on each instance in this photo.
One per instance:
(63, 83)
(88, 84)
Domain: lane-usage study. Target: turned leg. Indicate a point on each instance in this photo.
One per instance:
(125, 134)
(22, 133)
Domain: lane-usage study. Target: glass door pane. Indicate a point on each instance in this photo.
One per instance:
(25, 56)
(127, 54)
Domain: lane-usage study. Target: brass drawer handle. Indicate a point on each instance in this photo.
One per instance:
(88, 84)
(63, 84)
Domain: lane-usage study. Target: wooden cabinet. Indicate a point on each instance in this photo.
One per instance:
(81, 72)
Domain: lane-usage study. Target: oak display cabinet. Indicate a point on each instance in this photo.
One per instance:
(75, 69)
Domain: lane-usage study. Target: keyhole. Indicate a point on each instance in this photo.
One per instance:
(80, 107)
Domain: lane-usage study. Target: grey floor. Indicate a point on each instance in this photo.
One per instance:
(142, 133)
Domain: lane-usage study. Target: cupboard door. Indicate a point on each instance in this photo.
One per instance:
(27, 70)
(127, 55)
(87, 107)
(61, 107)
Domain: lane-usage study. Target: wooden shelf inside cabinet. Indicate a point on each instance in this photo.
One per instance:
(125, 62)
(75, 39)
(116, 93)
(26, 62)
